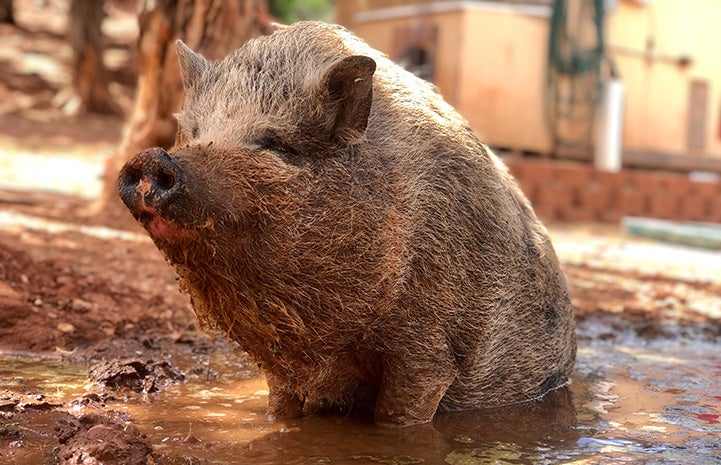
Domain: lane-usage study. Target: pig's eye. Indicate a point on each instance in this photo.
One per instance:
(194, 132)
(274, 144)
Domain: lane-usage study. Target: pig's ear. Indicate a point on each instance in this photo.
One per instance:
(349, 83)
(192, 64)
(273, 27)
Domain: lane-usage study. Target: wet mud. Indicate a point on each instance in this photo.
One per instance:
(630, 402)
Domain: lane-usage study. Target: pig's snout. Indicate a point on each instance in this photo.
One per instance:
(150, 181)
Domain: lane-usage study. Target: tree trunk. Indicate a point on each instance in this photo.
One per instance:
(90, 93)
(211, 27)
(6, 12)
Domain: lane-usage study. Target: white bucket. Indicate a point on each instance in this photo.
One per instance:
(609, 128)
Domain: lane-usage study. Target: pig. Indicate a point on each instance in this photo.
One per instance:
(331, 213)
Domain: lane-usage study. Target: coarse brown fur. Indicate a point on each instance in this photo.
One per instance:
(338, 219)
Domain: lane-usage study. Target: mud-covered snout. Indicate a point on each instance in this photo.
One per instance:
(150, 182)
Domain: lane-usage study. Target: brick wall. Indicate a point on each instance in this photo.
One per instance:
(576, 192)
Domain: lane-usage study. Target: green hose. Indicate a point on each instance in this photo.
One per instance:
(575, 56)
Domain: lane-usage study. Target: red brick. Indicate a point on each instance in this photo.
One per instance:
(572, 174)
(663, 205)
(540, 171)
(613, 182)
(556, 195)
(705, 190)
(674, 184)
(715, 211)
(577, 215)
(694, 209)
(631, 203)
(596, 197)
(637, 178)
(575, 193)
(646, 182)
(611, 216)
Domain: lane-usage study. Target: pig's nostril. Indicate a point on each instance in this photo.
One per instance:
(165, 180)
(132, 176)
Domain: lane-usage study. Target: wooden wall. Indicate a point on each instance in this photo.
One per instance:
(491, 65)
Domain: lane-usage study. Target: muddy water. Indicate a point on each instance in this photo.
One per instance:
(655, 402)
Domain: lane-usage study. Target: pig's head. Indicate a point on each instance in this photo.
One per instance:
(254, 133)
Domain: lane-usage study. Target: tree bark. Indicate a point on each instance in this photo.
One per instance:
(90, 93)
(6, 12)
(211, 27)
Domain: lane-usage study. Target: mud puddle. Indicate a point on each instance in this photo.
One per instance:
(636, 401)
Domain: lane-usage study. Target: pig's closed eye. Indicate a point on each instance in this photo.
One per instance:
(272, 147)
(274, 144)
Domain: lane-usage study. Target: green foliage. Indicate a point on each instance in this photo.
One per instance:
(289, 11)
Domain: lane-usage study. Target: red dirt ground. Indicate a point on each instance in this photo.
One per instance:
(68, 290)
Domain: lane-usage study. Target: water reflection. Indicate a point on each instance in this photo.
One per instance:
(627, 402)
(519, 434)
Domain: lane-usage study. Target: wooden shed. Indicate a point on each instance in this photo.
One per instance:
(490, 60)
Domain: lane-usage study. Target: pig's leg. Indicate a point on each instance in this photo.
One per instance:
(283, 403)
(410, 392)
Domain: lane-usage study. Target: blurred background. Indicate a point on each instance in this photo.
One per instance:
(627, 89)
(602, 109)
